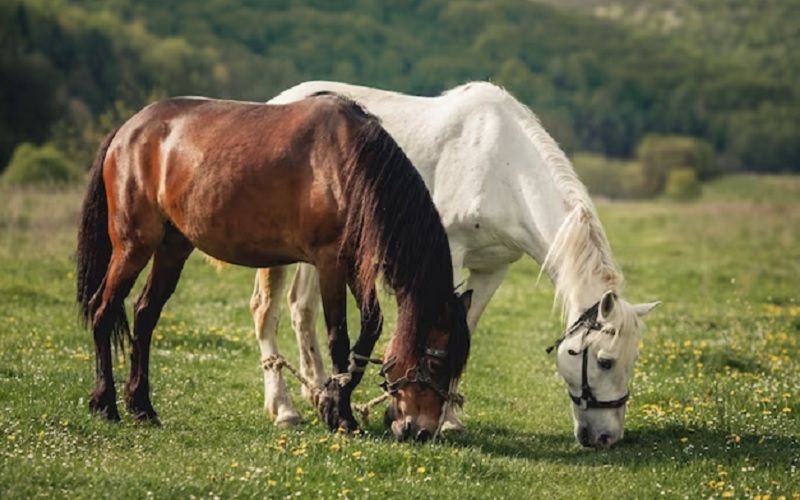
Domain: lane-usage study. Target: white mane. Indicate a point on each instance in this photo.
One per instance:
(579, 256)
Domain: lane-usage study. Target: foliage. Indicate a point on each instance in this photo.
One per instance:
(609, 177)
(39, 165)
(682, 184)
(600, 83)
(659, 154)
(746, 100)
(714, 412)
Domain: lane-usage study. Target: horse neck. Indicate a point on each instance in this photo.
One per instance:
(573, 250)
(562, 230)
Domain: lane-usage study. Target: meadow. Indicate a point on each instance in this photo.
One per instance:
(715, 400)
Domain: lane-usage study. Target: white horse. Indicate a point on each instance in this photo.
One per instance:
(504, 189)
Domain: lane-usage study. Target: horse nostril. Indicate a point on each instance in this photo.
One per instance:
(389, 416)
(583, 437)
(409, 430)
(423, 436)
(605, 440)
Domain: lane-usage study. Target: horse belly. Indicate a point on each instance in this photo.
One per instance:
(485, 245)
(489, 257)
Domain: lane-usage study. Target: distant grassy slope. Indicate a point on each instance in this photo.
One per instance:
(783, 189)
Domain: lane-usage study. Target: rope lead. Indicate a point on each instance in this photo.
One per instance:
(277, 362)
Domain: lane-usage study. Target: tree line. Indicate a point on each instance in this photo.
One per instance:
(71, 70)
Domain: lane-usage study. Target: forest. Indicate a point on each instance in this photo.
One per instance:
(602, 76)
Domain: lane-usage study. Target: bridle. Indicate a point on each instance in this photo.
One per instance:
(588, 323)
(419, 374)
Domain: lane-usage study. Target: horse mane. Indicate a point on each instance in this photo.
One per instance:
(580, 253)
(393, 228)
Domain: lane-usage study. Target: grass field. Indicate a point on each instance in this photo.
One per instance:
(714, 412)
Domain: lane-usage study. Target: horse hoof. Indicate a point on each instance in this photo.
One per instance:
(328, 413)
(288, 419)
(347, 426)
(453, 426)
(107, 411)
(145, 417)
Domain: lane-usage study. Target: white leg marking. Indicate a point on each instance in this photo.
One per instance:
(266, 310)
(303, 305)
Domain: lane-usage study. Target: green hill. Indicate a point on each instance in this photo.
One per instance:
(71, 69)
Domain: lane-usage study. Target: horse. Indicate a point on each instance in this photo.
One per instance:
(504, 189)
(317, 181)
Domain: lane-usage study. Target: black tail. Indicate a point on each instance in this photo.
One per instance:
(94, 250)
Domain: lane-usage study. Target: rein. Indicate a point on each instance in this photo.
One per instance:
(586, 400)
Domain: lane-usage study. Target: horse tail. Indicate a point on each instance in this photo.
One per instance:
(94, 248)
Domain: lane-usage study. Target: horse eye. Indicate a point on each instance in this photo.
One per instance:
(434, 365)
(605, 363)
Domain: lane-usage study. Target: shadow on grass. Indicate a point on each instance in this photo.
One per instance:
(640, 447)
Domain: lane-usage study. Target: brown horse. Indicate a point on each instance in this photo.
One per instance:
(318, 181)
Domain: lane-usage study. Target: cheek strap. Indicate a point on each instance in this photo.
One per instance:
(587, 400)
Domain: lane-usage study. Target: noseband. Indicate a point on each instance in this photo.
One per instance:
(588, 322)
(419, 374)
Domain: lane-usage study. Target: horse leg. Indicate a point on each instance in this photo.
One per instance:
(109, 317)
(483, 285)
(265, 306)
(371, 325)
(451, 422)
(334, 405)
(168, 262)
(303, 301)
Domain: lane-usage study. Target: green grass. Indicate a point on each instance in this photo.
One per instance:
(715, 398)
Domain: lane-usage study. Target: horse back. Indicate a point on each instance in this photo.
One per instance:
(248, 183)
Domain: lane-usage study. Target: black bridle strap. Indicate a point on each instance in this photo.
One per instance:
(587, 399)
(419, 374)
(586, 320)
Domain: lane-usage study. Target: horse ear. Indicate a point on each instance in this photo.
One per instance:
(466, 299)
(644, 309)
(607, 304)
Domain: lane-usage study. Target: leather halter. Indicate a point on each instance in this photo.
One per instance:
(419, 374)
(587, 401)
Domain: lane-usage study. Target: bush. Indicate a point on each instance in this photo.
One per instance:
(39, 165)
(682, 184)
(609, 177)
(659, 154)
